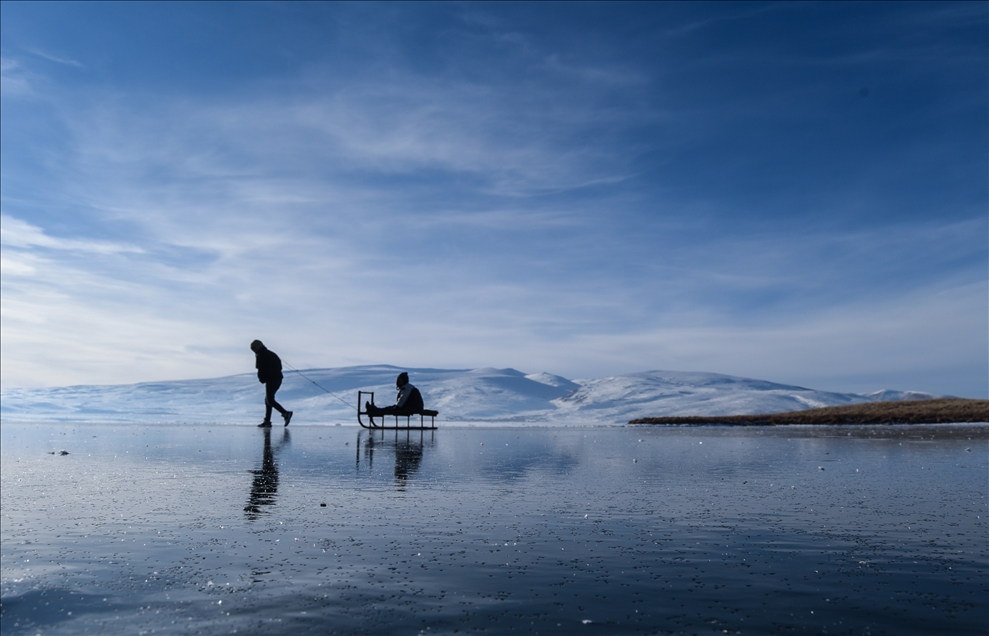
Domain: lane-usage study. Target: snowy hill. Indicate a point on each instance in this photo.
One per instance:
(461, 395)
(662, 393)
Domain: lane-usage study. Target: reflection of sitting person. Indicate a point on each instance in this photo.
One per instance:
(408, 457)
(408, 402)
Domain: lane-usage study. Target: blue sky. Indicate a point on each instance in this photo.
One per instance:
(793, 192)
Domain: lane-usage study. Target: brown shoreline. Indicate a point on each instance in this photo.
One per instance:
(939, 411)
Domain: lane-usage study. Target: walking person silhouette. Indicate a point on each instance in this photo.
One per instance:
(269, 367)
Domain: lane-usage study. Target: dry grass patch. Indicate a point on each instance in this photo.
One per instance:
(940, 411)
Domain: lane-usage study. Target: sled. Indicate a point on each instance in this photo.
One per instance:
(423, 414)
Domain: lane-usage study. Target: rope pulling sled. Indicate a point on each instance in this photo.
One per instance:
(422, 413)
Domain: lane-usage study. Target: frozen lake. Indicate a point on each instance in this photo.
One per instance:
(618, 530)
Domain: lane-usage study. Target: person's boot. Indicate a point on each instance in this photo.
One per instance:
(288, 417)
(264, 423)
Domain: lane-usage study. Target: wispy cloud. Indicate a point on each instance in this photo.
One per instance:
(55, 58)
(18, 233)
(326, 235)
(13, 81)
(908, 341)
(550, 210)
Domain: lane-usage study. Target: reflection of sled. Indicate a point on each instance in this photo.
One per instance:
(423, 414)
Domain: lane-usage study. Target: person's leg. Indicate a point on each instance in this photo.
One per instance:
(268, 393)
(270, 388)
(394, 410)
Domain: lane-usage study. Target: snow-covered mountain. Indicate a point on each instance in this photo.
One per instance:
(329, 396)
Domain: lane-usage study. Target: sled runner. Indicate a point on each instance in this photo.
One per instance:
(422, 413)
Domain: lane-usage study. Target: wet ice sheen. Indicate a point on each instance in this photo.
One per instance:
(600, 530)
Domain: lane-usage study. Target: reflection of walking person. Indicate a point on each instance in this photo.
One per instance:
(269, 367)
(265, 485)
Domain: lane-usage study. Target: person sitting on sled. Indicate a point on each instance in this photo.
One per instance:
(408, 402)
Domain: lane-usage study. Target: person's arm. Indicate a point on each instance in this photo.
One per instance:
(403, 395)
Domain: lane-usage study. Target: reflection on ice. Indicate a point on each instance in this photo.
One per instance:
(264, 488)
(405, 447)
(638, 530)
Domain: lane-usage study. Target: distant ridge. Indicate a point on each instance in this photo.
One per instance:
(484, 396)
(938, 411)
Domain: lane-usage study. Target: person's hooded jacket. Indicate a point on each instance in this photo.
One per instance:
(269, 366)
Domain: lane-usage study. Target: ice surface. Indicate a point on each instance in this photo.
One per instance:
(212, 530)
(477, 396)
